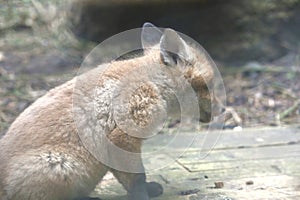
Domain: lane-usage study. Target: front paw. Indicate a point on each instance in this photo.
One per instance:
(154, 189)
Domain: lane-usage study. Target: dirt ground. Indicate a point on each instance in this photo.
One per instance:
(262, 94)
(265, 94)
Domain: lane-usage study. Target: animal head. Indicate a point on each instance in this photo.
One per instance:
(187, 59)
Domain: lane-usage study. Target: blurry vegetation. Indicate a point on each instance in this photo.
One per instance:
(45, 21)
(263, 29)
(41, 39)
(35, 37)
(233, 31)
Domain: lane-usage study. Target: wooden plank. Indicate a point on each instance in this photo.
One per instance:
(270, 158)
(224, 155)
(256, 137)
(270, 187)
(273, 187)
(223, 139)
(287, 166)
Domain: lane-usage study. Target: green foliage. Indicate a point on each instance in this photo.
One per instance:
(44, 22)
(257, 27)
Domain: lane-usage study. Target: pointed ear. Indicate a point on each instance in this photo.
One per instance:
(173, 48)
(150, 35)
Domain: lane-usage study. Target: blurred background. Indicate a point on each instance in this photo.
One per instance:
(256, 45)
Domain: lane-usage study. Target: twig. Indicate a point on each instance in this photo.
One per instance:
(237, 119)
(291, 109)
(47, 14)
(284, 91)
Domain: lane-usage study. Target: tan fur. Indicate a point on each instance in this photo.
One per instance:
(42, 156)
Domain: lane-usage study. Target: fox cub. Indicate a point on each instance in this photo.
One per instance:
(43, 155)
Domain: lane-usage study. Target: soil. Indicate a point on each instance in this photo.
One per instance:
(265, 94)
(261, 94)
